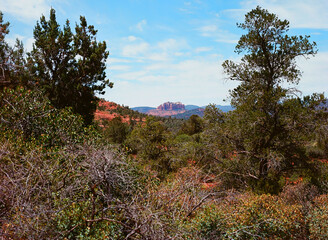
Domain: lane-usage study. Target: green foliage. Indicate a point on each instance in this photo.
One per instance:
(151, 142)
(192, 126)
(251, 217)
(148, 139)
(28, 113)
(69, 67)
(116, 131)
(12, 62)
(4, 51)
(61, 180)
(58, 181)
(72, 220)
(172, 124)
(268, 126)
(318, 218)
(213, 115)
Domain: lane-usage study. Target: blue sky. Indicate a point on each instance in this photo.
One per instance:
(172, 50)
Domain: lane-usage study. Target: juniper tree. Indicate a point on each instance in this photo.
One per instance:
(267, 127)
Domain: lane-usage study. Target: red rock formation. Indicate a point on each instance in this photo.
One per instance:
(170, 106)
(107, 105)
(168, 109)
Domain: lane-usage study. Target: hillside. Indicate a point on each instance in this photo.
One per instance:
(107, 111)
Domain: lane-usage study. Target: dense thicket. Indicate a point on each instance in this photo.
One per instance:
(203, 178)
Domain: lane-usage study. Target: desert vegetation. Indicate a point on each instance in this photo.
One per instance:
(257, 172)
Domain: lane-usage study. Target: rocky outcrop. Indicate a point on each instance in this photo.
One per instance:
(171, 106)
(168, 109)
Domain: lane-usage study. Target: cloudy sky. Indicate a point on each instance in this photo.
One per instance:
(172, 50)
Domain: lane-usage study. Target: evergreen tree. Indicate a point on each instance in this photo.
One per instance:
(266, 129)
(69, 67)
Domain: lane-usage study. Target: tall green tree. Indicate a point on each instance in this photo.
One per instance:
(267, 128)
(69, 66)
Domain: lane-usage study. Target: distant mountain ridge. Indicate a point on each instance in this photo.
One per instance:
(188, 114)
(177, 110)
(191, 107)
(143, 109)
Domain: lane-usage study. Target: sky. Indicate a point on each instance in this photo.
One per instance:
(172, 50)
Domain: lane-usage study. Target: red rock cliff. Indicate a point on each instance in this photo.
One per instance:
(170, 106)
(168, 109)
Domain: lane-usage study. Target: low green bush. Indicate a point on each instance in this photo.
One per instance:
(318, 218)
(250, 217)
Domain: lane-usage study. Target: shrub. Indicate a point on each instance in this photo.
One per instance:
(116, 131)
(30, 114)
(250, 217)
(318, 218)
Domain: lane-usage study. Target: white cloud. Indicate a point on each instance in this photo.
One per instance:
(191, 7)
(315, 74)
(203, 49)
(131, 75)
(132, 38)
(118, 60)
(208, 29)
(234, 15)
(172, 44)
(135, 50)
(301, 14)
(25, 10)
(219, 35)
(140, 25)
(199, 80)
(196, 81)
(28, 42)
(160, 56)
(160, 51)
(12, 40)
(180, 54)
(119, 67)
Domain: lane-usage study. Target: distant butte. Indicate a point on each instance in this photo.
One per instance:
(170, 106)
(168, 109)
